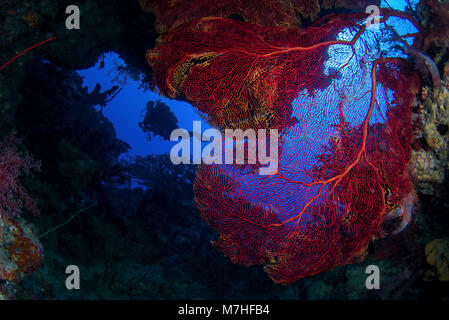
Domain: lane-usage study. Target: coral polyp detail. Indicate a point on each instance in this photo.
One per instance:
(343, 109)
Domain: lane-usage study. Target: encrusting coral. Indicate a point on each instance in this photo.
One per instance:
(437, 255)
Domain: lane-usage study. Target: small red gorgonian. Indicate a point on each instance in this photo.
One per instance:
(13, 196)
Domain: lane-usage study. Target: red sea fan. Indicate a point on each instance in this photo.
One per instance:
(319, 211)
(344, 115)
(13, 196)
(242, 75)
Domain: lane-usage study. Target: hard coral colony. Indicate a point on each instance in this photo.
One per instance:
(341, 99)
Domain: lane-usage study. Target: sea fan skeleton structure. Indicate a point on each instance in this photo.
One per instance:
(341, 98)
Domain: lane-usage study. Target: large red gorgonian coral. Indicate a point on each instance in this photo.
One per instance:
(343, 108)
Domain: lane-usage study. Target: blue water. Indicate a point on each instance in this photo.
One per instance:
(126, 110)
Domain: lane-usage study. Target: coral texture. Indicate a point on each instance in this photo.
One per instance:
(19, 255)
(437, 255)
(20, 251)
(172, 14)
